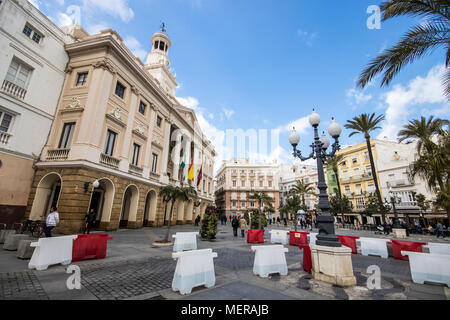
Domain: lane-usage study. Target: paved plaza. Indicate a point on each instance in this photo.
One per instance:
(135, 270)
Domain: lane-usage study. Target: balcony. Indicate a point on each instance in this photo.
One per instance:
(4, 138)
(57, 154)
(135, 170)
(234, 173)
(407, 205)
(109, 161)
(399, 183)
(14, 90)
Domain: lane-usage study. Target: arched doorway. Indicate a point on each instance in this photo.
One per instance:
(102, 201)
(188, 212)
(129, 206)
(150, 207)
(47, 196)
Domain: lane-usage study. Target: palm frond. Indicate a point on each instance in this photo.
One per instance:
(415, 8)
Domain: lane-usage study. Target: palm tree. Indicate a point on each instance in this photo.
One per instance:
(334, 163)
(303, 189)
(262, 199)
(365, 124)
(423, 131)
(293, 204)
(173, 194)
(432, 33)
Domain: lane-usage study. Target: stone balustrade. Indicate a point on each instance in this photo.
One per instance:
(109, 161)
(57, 154)
(4, 138)
(13, 89)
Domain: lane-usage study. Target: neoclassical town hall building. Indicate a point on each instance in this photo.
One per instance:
(118, 137)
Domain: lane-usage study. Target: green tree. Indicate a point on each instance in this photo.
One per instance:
(303, 189)
(262, 199)
(423, 204)
(293, 205)
(340, 205)
(208, 227)
(365, 124)
(173, 194)
(334, 163)
(432, 33)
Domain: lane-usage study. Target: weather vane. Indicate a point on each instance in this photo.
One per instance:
(163, 27)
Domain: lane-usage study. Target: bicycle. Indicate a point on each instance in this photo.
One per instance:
(36, 228)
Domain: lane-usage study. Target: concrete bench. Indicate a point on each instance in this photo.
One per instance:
(4, 234)
(375, 247)
(429, 267)
(25, 250)
(50, 251)
(13, 240)
(194, 269)
(185, 241)
(279, 236)
(270, 259)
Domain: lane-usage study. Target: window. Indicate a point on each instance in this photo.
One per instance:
(252, 204)
(261, 184)
(366, 155)
(270, 184)
(156, 44)
(135, 158)
(158, 121)
(120, 90)
(66, 135)
(161, 46)
(234, 183)
(356, 172)
(30, 32)
(369, 171)
(154, 162)
(142, 107)
(252, 184)
(355, 160)
(109, 143)
(82, 79)
(347, 190)
(18, 73)
(234, 204)
(5, 121)
(242, 183)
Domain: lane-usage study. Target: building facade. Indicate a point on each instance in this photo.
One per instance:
(237, 179)
(118, 138)
(32, 65)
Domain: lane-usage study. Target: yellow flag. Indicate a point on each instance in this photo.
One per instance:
(191, 172)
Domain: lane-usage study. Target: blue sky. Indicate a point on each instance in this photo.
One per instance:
(266, 64)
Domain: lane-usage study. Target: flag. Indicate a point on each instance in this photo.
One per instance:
(200, 176)
(191, 172)
(183, 165)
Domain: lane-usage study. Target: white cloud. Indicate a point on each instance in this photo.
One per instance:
(96, 28)
(228, 113)
(357, 97)
(136, 48)
(403, 101)
(63, 19)
(60, 2)
(300, 126)
(115, 8)
(307, 37)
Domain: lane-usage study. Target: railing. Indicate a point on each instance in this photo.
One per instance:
(407, 204)
(135, 170)
(57, 154)
(109, 161)
(4, 138)
(14, 89)
(399, 183)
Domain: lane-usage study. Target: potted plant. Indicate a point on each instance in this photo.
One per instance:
(208, 228)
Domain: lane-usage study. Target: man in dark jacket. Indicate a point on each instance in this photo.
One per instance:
(90, 220)
(235, 225)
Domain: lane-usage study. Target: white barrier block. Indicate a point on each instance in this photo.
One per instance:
(194, 268)
(375, 247)
(185, 241)
(270, 259)
(429, 267)
(279, 236)
(50, 251)
(312, 238)
(438, 248)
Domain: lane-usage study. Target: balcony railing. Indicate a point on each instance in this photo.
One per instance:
(135, 170)
(57, 154)
(399, 183)
(407, 204)
(4, 138)
(109, 161)
(14, 89)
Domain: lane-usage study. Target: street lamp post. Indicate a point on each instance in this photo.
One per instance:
(326, 236)
(395, 224)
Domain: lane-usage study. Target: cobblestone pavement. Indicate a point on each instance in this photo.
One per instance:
(134, 269)
(21, 286)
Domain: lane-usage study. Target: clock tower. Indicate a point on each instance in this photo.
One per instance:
(158, 62)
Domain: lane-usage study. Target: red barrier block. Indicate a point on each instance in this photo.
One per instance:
(297, 238)
(349, 241)
(255, 236)
(88, 246)
(398, 246)
(307, 261)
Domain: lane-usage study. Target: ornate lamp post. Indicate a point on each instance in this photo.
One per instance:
(326, 236)
(393, 198)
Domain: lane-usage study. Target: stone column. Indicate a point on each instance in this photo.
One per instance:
(176, 157)
(127, 141)
(148, 153)
(165, 159)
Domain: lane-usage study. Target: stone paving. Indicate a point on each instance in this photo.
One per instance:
(136, 270)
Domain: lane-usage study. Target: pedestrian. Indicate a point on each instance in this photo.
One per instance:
(285, 222)
(278, 221)
(243, 225)
(440, 230)
(235, 225)
(89, 220)
(197, 220)
(51, 222)
(225, 220)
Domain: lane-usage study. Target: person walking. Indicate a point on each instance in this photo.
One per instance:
(243, 225)
(197, 220)
(51, 222)
(235, 225)
(89, 221)
(440, 230)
